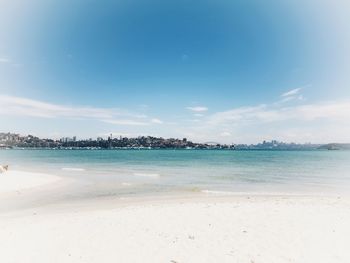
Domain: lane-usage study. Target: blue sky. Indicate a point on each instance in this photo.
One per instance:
(227, 71)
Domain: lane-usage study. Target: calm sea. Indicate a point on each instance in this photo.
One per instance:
(127, 172)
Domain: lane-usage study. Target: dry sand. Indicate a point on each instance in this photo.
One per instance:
(205, 228)
(11, 181)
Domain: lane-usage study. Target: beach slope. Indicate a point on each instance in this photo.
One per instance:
(210, 229)
(11, 181)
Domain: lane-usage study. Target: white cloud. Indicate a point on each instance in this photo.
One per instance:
(225, 134)
(5, 60)
(126, 122)
(317, 122)
(156, 121)
(266, 113)
(197, 109)
(235, 115)
(286, 99)
(293, 95)
(17, 106)
(291, 92)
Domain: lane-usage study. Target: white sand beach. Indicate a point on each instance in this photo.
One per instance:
(199, 228)
(18, 180)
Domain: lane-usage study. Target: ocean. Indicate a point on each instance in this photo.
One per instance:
(132, 172)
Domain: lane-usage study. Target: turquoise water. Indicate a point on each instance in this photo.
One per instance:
(115, 172)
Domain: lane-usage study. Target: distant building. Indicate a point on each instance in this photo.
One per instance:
(67, 139)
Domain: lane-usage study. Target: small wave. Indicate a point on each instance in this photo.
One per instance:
(126, 184)
(217, 192)
(154, 175)
(73, 169)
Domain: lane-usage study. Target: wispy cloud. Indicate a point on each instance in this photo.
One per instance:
(291, 92)
(225, 134)
(197, 109)
(269, 113)
(235, 115)
(17, 106)
(316, 122)
(4, 60)
(126, 122)
(10, 62)
(293, 95)
(156, 121)
(291, 98)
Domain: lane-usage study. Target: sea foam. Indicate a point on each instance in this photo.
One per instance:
(73, 169)
(217, 192)
(154, 175)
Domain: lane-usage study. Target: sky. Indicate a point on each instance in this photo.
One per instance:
(220, 71)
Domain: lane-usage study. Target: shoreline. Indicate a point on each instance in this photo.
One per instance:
(173, 227)
(16, 185)
(14, 180)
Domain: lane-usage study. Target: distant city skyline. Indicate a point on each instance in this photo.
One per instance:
(225, 71)
(17, 141)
